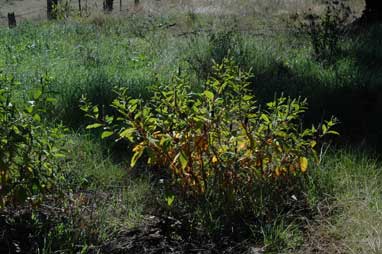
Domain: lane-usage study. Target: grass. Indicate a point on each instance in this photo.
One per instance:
(351, 221)
(359, 193)
(90, 167)
(95, 200)
(95, 55)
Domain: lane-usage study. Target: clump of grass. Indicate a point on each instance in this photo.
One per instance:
(89, 165)
(351, 221)
(281, 236)
(358, 194)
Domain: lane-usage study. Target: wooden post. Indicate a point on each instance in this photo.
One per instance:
(120, 5)
(79, 7)
(50, 8)
(136, 2)
(11, 20)
(108, 5)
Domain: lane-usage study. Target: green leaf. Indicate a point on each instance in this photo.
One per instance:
(85, 108)
(183, 160)
(209, 94)
(94, 126)
(29, 109)
(265, 118)
(37, 118)
(333, 132)
(133, 108)
(324, 128)
(247, 98)
(170, 200)
(106, 134)
(109, 119)
(128, 134)
(37, 94)
(52, 100)
(165, 143)
(59, 155)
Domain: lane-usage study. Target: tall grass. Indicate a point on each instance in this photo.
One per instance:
(137, 52)
(351, 222)
(82, 59)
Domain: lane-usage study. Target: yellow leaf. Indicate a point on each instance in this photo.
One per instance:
(303, 164)
(214, 159)
(138, 148)
(242, 146)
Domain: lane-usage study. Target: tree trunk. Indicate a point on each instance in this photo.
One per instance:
(108, 5)
(373, 11)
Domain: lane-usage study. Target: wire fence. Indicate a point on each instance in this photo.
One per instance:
(120, 5)
(24, 14)
(124, 5)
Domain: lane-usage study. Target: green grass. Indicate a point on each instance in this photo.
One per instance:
(95, 55)
(94, 200)
(82, 59)
(100, 200)
(92, 57)
(349, 220)
(359, 197)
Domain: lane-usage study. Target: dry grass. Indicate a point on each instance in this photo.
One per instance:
(255, 9)
(353, 222)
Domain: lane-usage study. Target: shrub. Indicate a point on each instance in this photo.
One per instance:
(218, 145)
(63, 10)
(325, 32)
(28, 146)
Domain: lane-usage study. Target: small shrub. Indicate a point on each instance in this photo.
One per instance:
(28, 146)
(218, 145)
(63, 10)
(326, 32)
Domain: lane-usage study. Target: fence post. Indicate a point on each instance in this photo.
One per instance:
(108, 5)
(50, 9)
(79, 7)
(136, 2)
(11, 20)
(120, 5)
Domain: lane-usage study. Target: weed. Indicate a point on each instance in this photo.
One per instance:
(326, 32)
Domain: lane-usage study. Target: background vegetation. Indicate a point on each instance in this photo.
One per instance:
(99, 204)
